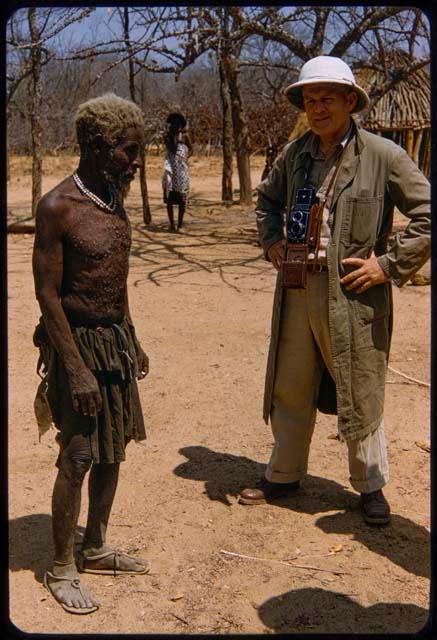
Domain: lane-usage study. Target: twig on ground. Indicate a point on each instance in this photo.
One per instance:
(179, 617)
(425, 446)
(310, 555)
(287, 564)
(419, 382)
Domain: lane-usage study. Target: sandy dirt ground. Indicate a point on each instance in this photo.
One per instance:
(201, 301)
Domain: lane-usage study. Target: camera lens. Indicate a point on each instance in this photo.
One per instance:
(296, 229)
(297, 216)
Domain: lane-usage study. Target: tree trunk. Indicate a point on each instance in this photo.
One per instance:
(147, 215)
(241, 133)
(227, 135)
(35, 109)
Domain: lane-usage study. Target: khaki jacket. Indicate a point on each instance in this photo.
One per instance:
(375, 176)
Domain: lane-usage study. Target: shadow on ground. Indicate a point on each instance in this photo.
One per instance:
(30, 543)
(403, 541)
(316, 610)
(201, 245)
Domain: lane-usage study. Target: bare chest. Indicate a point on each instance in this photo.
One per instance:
(98, 236)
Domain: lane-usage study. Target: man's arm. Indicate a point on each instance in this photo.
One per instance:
(142, 357)
(48, 270)
(409, 190)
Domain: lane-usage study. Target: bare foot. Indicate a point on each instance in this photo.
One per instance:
(65, 586)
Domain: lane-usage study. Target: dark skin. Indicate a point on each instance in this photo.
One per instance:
(181, 207)
(80, 264)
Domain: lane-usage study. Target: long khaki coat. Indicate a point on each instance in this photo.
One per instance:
(375, 176)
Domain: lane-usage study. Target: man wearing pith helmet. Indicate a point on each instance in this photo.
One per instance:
(331, 332)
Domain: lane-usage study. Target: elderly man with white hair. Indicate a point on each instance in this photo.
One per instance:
(331, 334)
(91, 355)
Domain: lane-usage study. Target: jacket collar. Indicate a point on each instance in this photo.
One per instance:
(349, 165)
(312, 144)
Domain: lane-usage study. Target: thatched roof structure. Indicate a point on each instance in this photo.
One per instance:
(403, 113)
(406, 106)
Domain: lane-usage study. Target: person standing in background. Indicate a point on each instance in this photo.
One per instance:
(176, 178)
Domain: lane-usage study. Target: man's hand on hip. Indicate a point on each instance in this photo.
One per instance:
(366, 274)
(276, 254)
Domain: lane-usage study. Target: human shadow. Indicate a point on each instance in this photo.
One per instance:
(225, 475)
(404, 542)
(30, 543)
(315, 610)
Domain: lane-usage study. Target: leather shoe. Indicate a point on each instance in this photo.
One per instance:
(375, 508)
(265, 491)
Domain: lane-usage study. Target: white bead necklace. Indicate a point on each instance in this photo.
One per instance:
(92, 196)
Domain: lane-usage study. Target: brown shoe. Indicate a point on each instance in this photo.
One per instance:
(375, 507)
(265, 491)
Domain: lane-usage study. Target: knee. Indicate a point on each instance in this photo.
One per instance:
(74, 466)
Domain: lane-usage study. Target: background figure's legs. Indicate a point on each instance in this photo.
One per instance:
(102, 486)
(171, 216)
(181, 215)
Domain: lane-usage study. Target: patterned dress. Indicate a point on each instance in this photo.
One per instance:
(176, 179)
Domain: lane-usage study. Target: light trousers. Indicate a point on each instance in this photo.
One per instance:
(304, 349)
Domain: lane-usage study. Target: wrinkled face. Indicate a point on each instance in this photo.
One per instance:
(123, 160)
(328, 108)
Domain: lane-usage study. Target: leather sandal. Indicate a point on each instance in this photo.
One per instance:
(50, 578)
(108, 563)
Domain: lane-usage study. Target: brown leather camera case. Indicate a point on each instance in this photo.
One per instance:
(294, 266)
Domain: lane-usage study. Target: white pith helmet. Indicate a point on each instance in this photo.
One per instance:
(325, 70)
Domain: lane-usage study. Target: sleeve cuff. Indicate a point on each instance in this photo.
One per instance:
(385, 264)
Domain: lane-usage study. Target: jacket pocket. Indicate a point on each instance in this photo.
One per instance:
(371, 305)
(360, 220)
(370, 324)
